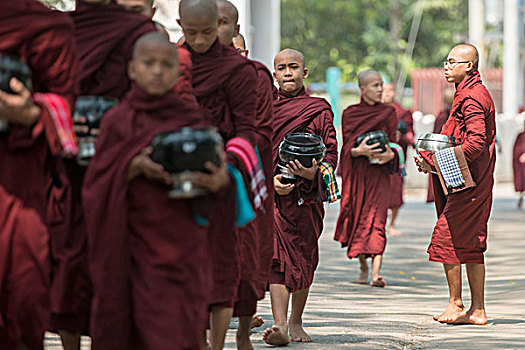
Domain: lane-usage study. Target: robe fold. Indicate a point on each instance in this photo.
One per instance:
(224, 84)
(366, 187)
(33, 175)
(404, 140)
(441, 119)
(460, 234)
(256, 238)
(148, 257)
(518, 167)
(299, 215)
(104, 36)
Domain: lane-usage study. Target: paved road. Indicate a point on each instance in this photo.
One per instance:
(341, 315)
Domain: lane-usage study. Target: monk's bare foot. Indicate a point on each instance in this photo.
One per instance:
(452, 313)
(257, 321)
(473, 316)
(378, 282)
(394, 232)
(520, 202)
(363, 275)
(298, 334)
(243, 343)
(277, 335)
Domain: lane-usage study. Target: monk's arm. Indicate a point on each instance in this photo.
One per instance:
(242, 99)
(476, 138)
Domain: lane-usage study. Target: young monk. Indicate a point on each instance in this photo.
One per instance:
(256, 238)
(30, 153)
(518, 166)
(224, 84)
(299, 208)
(366, 187)
(405, 139)
(460, 235)
(240, 44)
(150, 279)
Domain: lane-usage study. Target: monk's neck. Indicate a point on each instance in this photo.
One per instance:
(294, 93)
(369, 101)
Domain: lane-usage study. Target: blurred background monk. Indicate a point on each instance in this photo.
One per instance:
(405, 128)
(151, 280)
(366, 186)
(299, 210)
(441, 119)
(460, 234)
(240, 44)
(32, 180)
(225, 85)
(518, 165)
(256, 238)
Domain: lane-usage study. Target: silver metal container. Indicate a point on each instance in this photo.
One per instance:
(434, 142)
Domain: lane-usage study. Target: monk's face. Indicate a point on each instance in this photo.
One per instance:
(372, 91)
(239, 46)
(459, 65)
(388, 93)
(199, 32)
(144, 7)
(228, 29)
(290, 73)
(154, 68)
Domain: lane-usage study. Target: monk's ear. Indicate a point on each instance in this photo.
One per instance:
(131, 70)
(305, 73)
(153, 11)
(274, 76)
(237, 30)
(470, 68)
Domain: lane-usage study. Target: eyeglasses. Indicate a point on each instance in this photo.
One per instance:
(452, 65)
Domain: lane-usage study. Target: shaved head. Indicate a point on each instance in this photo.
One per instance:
(228, 6)
(154, 38)
(290, 53)
(366, 76)
(198, 9)
(468, 52)
(239, 41)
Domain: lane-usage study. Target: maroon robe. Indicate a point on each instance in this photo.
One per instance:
(460, 235)
(298, 226)
(517, 166)
(224, 84)
(104, 36)
(441, 119)
(404, 140)
(364, 206)
(256, 237)
(148, 257)
(33, 180)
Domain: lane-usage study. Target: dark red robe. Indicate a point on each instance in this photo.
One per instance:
(298, 226)
(404, 140)
(148, 257)
(441, 119)
(224, 84)
(366, 187)
(104, 36)
(256, 238)
(460, 235)
(32, 180)
(517, 166)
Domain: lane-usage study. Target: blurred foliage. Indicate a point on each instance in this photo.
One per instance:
(355, 35)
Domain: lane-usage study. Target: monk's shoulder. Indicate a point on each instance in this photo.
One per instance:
(262, 71)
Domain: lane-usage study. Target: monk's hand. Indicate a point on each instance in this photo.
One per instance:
(386, 156)
(366, 150)
(19, 108)
(522, 158)
(142, 164)
(298, 169)
(422, 165)
(280, 188)
(216, 179)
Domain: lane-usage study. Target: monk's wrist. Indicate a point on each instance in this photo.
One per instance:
(354, 152)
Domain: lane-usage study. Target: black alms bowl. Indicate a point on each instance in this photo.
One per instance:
(13, 67)
(187, 149)
(379, 136)
(93, 109)
(303, 147)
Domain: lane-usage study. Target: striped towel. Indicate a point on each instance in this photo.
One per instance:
(449, 167)
(248, 155)
(330, 181)
(399, 150)
(60, 113)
